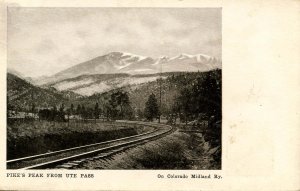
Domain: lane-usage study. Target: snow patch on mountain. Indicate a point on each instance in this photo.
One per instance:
(161, 60)
(137, 80)
(142, 70)
(203, 57)
(130, 56)
(123, 65)
(92, 89)
(66, 85)
(182, 56)
(103, 86)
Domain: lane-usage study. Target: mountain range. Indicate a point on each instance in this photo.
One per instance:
(119, 69)
(121, 62)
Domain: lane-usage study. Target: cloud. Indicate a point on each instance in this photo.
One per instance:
(45, 46)
(53, 39)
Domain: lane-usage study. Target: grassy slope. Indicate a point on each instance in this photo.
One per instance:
(176, 151)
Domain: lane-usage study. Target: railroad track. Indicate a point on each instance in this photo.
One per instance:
(72, 157)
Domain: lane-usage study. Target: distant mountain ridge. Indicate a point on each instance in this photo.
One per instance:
(15, 73)
(120, 69)
(121, 62)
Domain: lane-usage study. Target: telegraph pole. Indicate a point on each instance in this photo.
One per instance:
(160, 92)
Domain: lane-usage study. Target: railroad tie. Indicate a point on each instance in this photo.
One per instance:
(78, 161)
(65, 166)
(72, 164)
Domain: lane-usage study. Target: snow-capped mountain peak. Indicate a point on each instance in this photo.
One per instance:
(125, 56)
(161, 60)
(183, 56)
(124, 62)
(202, 57)
(128, 56)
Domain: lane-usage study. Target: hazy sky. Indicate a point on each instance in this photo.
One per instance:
(44, 41)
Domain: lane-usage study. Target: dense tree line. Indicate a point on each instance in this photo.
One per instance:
(117, 107)
(52, 115)
(200, 98)
(197, 96)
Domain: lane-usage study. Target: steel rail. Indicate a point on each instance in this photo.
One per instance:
(93, 152)
(19, 160)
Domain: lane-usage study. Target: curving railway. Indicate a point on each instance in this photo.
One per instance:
(73, 157)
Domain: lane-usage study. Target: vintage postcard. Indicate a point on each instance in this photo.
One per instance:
(127, 91)
(148, 96)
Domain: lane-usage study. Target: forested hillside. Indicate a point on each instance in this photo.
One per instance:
(23, 96)
(191, 93)
(183, 94)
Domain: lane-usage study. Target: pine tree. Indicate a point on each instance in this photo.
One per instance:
(96, 111)
(78, 110)
(186, 103)
(83, 112)
(53, 113)
(33, 108)
(62, 107)
(151, 108)
(119, 106)
(61, 113)
(72, 109)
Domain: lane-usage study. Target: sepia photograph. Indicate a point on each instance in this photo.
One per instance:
(149, 95)
(114, 88)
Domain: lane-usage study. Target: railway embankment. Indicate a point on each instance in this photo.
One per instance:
(179, 150)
